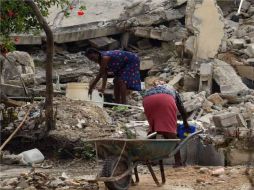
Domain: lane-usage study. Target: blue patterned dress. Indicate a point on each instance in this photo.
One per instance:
(125, 66)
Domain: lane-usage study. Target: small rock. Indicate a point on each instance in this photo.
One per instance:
(203, 170)
(56, 183)
(200, 180)
(218, 172)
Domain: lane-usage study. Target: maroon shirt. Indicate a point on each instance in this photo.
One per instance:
(161, 112)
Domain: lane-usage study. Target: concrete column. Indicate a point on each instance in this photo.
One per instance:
(206, 75)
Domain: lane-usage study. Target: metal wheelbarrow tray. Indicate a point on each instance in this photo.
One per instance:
(121, 157)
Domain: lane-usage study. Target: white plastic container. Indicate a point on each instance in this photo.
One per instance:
(33, 156)
(79, 91)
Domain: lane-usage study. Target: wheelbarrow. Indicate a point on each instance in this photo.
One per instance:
(121, 157)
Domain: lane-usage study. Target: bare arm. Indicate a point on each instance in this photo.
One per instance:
(102, 74)
(181, 109)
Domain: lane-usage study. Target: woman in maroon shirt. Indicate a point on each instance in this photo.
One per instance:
(161, 104)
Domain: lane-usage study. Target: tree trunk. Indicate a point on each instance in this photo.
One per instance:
(49, 63)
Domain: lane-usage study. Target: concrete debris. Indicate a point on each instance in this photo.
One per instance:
(206, 76)
(250, 50)
(216, 99)
(40, 180)
(225, 76)
(162, 33)
(196, 102)
(104, 43)
(18, 64)
(238, 43)
(147, 13)
(225, 120)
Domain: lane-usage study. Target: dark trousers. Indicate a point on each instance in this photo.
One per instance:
(167, 135)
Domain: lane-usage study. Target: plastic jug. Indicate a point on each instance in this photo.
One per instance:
(33, 156)
(182, 132)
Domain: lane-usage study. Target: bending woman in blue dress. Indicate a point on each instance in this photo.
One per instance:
(125, 66)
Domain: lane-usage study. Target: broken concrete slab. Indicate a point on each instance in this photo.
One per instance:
(104, 43)
(147, 13)
(225, 76)
(164, 34)
(210, 35)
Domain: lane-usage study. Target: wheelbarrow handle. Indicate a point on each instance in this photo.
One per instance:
(182, 143)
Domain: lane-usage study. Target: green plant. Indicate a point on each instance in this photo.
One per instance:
(17, 17)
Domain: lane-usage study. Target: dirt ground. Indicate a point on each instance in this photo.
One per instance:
(187, 178)
(190, 178)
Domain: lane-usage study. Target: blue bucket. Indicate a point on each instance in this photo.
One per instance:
(182, 132)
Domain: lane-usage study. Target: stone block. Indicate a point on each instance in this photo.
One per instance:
(226, 119)
(216, 99)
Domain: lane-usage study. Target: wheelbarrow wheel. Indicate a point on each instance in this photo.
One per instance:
(108, 167)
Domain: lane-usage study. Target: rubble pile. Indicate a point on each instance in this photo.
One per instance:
(238, 50)
(206, 66)
(76, 115)
(68, 67)
(40, 180)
